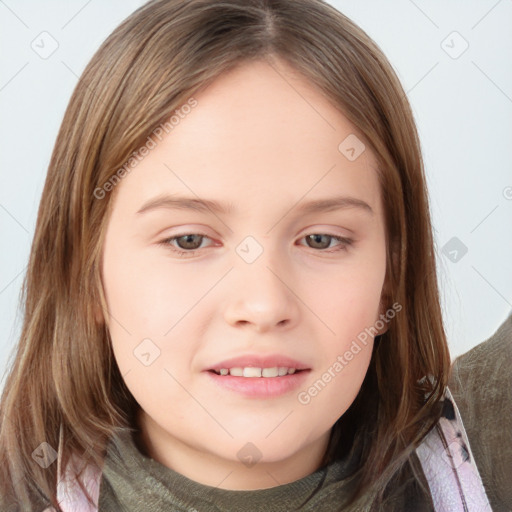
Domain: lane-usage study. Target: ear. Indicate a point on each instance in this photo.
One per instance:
(387, 293)
(98, 309)
(98, 314)
(384, 306)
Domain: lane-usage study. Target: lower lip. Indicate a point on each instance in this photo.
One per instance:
(260, 387)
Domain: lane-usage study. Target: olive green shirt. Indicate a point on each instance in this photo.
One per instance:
(134, 482)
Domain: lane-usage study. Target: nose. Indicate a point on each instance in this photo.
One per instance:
(261, 297)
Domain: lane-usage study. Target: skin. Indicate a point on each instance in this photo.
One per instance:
(264, 140)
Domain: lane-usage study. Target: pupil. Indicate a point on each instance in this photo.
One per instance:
(317, 239)
(188, 241)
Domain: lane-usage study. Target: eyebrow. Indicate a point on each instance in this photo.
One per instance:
(177, 202)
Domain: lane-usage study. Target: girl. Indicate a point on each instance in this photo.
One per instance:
(231, 300)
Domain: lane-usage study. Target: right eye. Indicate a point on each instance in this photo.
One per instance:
(188, 240)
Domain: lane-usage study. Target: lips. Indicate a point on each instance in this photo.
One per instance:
(259, 389)
(259, 361)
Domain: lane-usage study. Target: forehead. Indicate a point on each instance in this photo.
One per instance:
(258, 132)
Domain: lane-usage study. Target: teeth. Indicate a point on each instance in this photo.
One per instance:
(252, 371)
(270, 372)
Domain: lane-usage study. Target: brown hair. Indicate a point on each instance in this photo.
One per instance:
(64, 379)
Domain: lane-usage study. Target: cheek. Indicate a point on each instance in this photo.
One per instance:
(148, 295)
(332, 390)
(152, 357)
(347, 301)
(150, 304)
(349, 307)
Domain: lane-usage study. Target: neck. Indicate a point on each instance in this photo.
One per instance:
(207, 468)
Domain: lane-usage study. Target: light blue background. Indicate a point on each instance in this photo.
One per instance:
(462, 106)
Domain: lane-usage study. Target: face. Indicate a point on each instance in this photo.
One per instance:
(266, 273)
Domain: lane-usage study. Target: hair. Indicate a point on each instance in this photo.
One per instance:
(64, 386)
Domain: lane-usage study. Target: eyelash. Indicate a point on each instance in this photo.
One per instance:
(345, 243)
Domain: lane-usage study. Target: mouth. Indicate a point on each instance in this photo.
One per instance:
(258, 372)
(259, 376)
(263, 388)
(252, 382)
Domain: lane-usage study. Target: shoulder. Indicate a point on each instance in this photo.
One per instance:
(491, 359)
(481, 384)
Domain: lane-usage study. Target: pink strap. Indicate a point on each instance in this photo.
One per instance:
(69, 494)
(450, 468)
(71, 497)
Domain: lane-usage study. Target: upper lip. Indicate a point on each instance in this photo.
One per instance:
(259, 361)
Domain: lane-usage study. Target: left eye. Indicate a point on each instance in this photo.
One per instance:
(189, 243)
